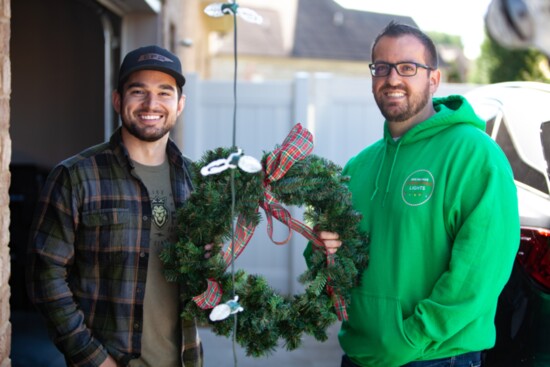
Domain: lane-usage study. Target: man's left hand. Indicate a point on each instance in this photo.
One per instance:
(331, 240)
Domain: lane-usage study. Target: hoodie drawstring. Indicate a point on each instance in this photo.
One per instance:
(391, 172)
(380, 171)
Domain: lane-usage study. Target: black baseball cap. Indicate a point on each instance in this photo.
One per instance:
(151, 58)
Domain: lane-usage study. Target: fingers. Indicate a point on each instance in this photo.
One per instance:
(208, 248)
(324, 235)
(331, 240)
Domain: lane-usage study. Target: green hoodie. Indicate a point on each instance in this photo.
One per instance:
(440, 207)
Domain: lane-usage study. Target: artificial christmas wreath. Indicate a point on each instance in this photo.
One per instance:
(290, 176)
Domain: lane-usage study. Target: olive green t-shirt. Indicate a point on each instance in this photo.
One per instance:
(161, 337)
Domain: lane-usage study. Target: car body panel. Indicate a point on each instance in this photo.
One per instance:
(532, 212)
(514, 112)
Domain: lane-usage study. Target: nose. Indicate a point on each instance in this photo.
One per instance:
(393, 75)
(393, 70)
(150, 100)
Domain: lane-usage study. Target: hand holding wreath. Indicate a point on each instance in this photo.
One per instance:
(290, 176)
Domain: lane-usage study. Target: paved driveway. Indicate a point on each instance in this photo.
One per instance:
(218, 352)
(31, 347)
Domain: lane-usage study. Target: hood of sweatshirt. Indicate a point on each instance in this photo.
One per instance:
(450, 111)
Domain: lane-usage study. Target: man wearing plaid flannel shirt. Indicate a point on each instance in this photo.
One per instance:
(103, 216)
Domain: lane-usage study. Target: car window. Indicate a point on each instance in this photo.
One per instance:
(522, 171)
(524, 151)
(545, 139)
(490, 126)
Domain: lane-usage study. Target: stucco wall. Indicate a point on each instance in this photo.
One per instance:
(5, 156)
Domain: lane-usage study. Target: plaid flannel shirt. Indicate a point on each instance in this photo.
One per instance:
(89, 252)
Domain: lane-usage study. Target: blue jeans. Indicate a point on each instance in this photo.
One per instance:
(472, 359)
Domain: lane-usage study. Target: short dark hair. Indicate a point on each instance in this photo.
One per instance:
(394, 29)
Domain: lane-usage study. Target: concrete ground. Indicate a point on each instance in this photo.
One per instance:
(31, 347)
(218, 351)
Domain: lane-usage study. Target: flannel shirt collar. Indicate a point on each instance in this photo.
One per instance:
(123, 157)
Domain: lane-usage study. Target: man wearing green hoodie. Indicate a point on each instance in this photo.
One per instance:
(440, 206)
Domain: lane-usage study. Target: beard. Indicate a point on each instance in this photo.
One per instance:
(413, 105)
(147, 133)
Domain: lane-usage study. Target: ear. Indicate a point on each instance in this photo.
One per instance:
(435, 77)
(116, 100)
(181, 104)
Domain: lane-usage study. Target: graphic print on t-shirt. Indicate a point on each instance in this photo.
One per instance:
(160, 211)
(163, 218)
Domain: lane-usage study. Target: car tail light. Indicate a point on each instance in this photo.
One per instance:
(534, 254)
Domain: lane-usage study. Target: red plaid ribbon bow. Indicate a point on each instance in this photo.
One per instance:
(296, 146)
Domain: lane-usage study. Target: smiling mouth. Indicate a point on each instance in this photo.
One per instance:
(394, 94)
(150, 117)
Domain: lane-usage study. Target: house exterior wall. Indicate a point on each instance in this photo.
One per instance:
(182, 29)
(257, 68)
(261, 59)
(5, 156)
(287, 9)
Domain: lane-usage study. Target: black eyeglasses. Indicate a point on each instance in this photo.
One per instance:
(402, 68)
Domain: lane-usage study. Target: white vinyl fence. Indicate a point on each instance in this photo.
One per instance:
(340, 112)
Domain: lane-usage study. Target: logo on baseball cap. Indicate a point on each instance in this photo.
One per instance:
(151, 58)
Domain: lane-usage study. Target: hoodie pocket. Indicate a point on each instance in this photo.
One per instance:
(374, 332)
